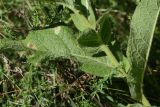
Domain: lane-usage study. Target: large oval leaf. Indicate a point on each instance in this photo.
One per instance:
(60, 42)
(57, 42)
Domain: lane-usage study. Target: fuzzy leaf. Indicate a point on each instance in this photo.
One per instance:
(57, 42)
(141, 34)
(60, 42)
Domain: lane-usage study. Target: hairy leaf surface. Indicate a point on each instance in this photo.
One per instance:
(60, 42)
(141, 34)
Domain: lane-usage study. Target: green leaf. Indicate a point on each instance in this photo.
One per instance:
(90, 42)
(92, 39)
(60, 42)
(70, 2)
(81, 22)
(36, 58)
(135, 105)
(90, 12)
(105, 28)
(141, 34)
(89, 38)
(96, 66)
(57, 42)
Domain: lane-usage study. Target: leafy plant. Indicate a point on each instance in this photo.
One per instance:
(92, 49)
(141, 35)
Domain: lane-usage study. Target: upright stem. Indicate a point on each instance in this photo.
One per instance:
(145, 102)
(109, 54)
(113, 60)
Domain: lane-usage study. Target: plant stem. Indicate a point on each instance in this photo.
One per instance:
(113, 60)
(109, 54)
(145, 102)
